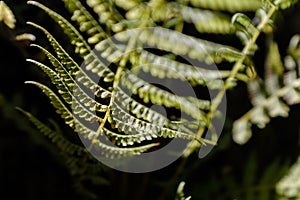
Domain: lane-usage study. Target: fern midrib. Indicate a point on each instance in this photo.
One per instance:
(237, 66)
(193, 145)
(121, 69)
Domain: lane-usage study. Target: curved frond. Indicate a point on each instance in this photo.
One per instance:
(163, 67)
(72, 67)
(106, 12)
(73, 87)
(155, 95)
(62, 143)
(207, 21)
(85, 20)
(109, 151)
(177, 43)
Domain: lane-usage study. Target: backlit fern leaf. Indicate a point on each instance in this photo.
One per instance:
(113, 69)
(106, 12)
(177, 43)
(73, 122)
(62, 143)
(208, 21)
(66, 78)
(72, 67)
(86, 22)
(155, 95)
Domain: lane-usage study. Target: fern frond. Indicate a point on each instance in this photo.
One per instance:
(162, 67)
(228, 5)
(86, 22)
(106, 12)
(73, 67)
(70, 119)
(73, 87)
(112, 152)
(76, 39)
(177, 43)
(147, 114)
(155, 95)
(61, 108)
(131, 125)
(208, 21)
(63, 144)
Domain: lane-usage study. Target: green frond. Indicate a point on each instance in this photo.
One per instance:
(112, 152)
(62, 143)
(207, 21)
(106, 12)
(228, 5)
(76, 39)
(163, 67)
(85, 20)
(56, 80)
(67, 147)
(120, 61)
(132, 125)
(176, 43)
(72, 67)
(66, 79)
(155, 95)
(61, 107)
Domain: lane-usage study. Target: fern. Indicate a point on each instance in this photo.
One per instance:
(113, 68)
(107, 98)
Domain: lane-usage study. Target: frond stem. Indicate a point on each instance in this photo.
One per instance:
(121, 69)
(193, 145)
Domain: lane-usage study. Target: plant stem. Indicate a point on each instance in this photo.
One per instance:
(121, 69)
(193, 145)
